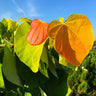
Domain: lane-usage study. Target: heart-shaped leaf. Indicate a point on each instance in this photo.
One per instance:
(72, 39)
(28, 54)
(38, 32)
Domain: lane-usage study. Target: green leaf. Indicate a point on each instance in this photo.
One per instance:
(1, 77)
(12, 25)
(43, 69)
(82, 88)
(27, 94)
(36, 92)
(26, 75)
(56, 87)
(44, 56)
(29, 79)
(43, 93)
(9, 66)
(4, 21)
(53, 52)
(19, 92)
(25, 19)
(64, 62)
(11, 93)
(2, 28)
(69, 91)
(1, 53)
(52, 68)
(28, 54)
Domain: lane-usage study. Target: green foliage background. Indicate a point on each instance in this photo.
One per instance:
(83, 80)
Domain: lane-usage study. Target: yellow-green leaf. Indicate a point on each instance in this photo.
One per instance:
(28, 54)
(64, 62)
(25, 19)
(12, 25)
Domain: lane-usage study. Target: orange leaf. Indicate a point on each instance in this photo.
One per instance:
(73, 38)
(53, 28)
(38, 32)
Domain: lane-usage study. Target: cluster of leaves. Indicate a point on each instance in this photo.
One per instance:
(17, 79)
(83, 79)
(7, 27)
(33, 55)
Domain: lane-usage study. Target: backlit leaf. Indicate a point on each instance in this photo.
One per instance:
(12, 25)
(53, 28)
(9, 29)
(69, 91)
(27, 94)
(38, 32)
(64, 62)
(72, 39)
(25, 19)
(28, 54)
(43, 93)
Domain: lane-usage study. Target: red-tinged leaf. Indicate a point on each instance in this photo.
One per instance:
(38, 32)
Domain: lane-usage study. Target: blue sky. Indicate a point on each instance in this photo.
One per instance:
(48, 10)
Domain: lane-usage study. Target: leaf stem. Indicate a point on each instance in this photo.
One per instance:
(2, 45)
